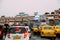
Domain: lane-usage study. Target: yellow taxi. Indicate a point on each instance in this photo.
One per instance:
(47, 31)
(57, 30)
(35, 29)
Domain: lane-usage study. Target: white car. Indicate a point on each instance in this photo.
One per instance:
(25, 26)
(17, 33)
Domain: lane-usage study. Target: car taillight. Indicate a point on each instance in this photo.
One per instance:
(0, 32)
(8, 34)
(25, 34)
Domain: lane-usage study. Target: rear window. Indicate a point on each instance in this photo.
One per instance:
(48, 28)
(13, 30)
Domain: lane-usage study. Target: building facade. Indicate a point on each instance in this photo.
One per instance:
(21, 17)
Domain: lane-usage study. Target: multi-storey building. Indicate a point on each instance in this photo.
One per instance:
(16, 19)
(55, 16)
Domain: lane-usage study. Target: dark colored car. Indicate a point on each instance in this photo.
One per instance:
(1, 32)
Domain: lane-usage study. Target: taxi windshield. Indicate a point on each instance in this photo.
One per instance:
(57, 27)
(48, 28)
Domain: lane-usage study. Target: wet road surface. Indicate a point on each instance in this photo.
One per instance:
(37, 37)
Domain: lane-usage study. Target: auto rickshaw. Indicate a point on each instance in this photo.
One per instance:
(47, 32)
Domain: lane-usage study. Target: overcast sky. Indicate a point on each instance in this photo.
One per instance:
(13, 7)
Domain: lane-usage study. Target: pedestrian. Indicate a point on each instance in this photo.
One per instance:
(6, 27)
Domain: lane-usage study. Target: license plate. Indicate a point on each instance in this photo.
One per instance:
(16, 37)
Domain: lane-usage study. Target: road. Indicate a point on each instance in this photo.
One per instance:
(35, 37)
(39, 38)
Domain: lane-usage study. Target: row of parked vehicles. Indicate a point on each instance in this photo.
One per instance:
(47, 31)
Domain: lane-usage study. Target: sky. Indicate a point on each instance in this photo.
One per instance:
(13, 7)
